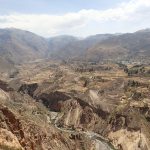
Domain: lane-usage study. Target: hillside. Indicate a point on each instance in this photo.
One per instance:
(78, 106)
(67, 47)
(18, 46)
(50, 104)
(130, 47)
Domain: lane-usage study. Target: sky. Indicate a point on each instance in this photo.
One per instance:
(75, 17)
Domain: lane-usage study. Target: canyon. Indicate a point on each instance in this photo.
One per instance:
(74, 94)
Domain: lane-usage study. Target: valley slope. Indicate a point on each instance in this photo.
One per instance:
(74, 94)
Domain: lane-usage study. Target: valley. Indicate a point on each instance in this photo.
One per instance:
(74, 94)
(98, 104)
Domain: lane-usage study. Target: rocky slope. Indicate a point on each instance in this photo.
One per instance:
(93, 99)
(74, 104)
(25, 124)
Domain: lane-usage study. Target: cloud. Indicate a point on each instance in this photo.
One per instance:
(128, 13)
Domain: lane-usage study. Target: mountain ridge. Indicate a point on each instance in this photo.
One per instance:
(19, 46)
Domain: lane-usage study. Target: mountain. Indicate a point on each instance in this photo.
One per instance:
(130, 46)
(59, 45)
(5, 66)
(68, 47)
(18, 46)
(117, 47)
(50, 105)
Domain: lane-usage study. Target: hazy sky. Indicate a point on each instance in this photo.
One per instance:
(75, 17)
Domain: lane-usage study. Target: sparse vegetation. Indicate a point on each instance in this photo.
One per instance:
(69, 102)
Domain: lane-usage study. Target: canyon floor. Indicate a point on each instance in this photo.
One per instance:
(48, 105)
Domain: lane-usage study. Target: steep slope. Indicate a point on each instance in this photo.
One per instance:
(131, 46)
(68, 47)
(5, 65)
(117, 47)
(27, 125)
(103, 101)
(18, 46)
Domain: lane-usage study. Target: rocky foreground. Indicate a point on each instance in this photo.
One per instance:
(75, 106)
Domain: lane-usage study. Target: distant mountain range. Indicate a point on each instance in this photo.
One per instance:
(19, 46)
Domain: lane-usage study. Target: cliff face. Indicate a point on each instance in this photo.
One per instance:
(18, 128)
(26, 124)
